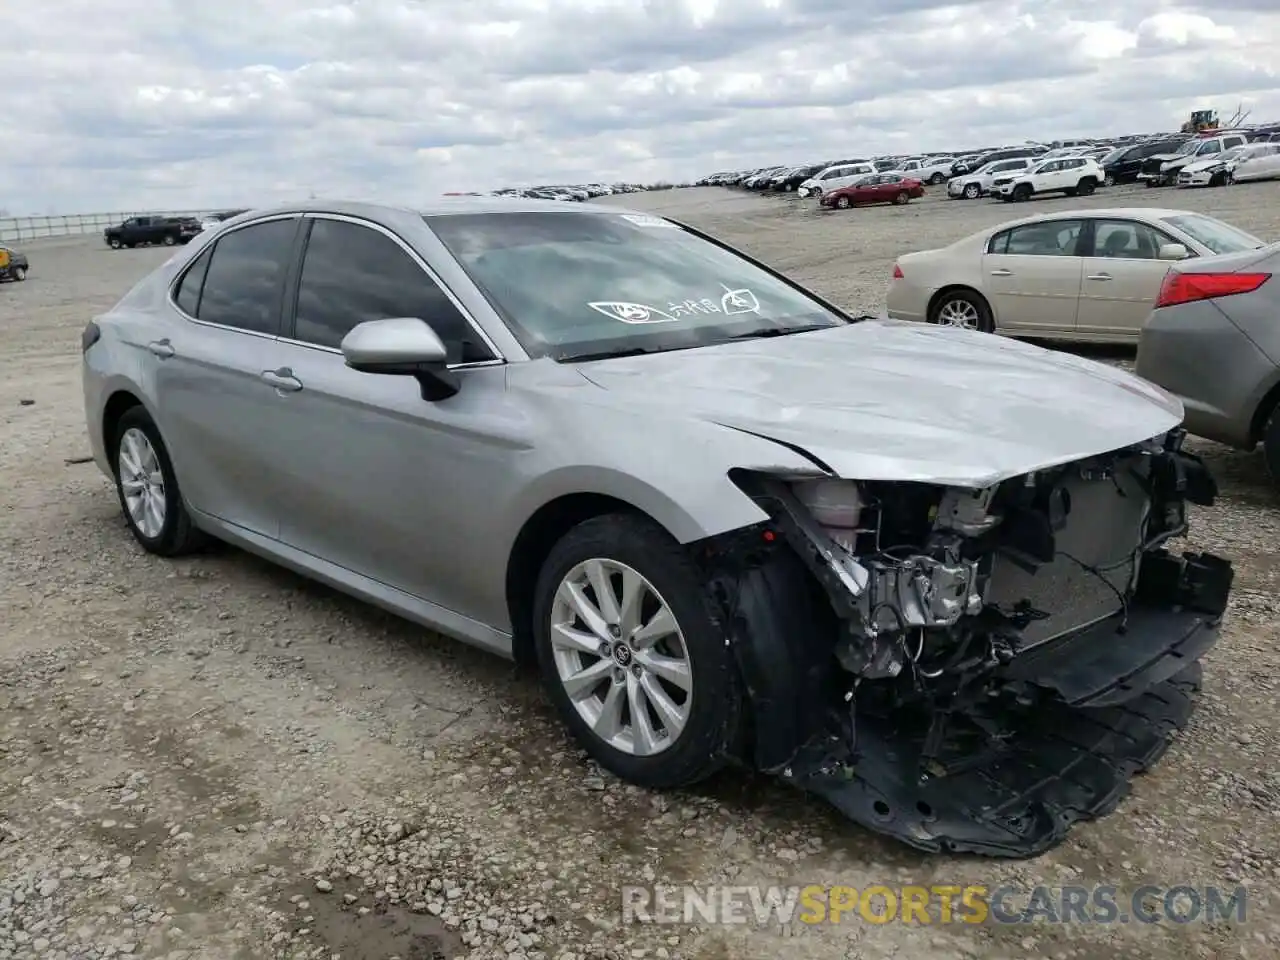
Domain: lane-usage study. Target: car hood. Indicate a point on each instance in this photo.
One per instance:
(1203, 164)
(1169, 159)
(901, 401)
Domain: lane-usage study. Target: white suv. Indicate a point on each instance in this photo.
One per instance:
(833, 178)
(927, 169)
(980, 182)
(1073, 176)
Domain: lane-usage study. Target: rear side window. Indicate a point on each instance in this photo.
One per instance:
(353, 273)
(187, 295)
(243, 281)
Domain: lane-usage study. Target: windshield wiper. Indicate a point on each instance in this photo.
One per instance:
(611, 354)
(774, 332)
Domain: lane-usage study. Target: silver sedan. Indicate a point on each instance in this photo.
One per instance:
(730, 522)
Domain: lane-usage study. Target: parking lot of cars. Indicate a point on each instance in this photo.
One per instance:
(213, 755)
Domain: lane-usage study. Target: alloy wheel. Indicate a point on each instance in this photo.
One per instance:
(958, 313)
(621, 657)
(142, 482)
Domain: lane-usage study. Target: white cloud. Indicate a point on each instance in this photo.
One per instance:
(168, 103)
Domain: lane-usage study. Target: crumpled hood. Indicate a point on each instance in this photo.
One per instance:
(891, 400)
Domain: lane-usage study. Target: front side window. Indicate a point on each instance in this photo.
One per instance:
(353, 273)
(1217, 236)
(243, 281)
(574, 285)
(1127, 240)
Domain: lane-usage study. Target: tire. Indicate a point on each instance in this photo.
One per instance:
(844, 203)
(18, 274)
(954, 302)
(169, 240)
(1022, 192)
(1271, 444)
(1109, 180)
(174, 534)
(714, 725)
(936, 179)
(1086, 186)
(1218, 180)
(972, 191)
(790, 187)
(901, 198)
(816, 192)
(114, 243)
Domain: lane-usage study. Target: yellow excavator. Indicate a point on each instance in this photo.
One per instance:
(1203, 120)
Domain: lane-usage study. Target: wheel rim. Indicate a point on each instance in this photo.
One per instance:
(621, 657)
(142, 482)
(959, 313)
(1109, 181)
(971, 191)
(19, 273)
(842, 203)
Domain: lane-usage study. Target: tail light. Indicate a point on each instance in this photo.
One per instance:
(897, 272)
(1189, 287)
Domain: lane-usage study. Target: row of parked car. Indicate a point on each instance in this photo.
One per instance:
(1207, 158)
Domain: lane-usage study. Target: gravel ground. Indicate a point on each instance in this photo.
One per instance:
(213, 758)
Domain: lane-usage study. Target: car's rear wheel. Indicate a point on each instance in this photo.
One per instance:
(1271, 444)
(972, 191)
(843, 203)
(148, 488)
(936, 179)
(634, 655)
(901, 197)
(962, 308)
(1086, 186)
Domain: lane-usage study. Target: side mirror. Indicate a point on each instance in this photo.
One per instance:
(1173, 251)
(402, 346)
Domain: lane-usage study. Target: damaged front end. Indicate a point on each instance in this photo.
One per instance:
(974, 670)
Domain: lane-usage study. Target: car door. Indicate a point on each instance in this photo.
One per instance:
(886, 187)
(1033, 274)
(1121, 278)
(382, 482)
(216, 374)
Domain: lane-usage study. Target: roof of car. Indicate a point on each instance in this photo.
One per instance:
(1136, 212)
(442, 206)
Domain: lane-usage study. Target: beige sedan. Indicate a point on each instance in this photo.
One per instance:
(1090, 276)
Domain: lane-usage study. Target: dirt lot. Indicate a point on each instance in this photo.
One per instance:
(214, 759)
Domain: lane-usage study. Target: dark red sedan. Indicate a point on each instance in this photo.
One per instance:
(875, 188)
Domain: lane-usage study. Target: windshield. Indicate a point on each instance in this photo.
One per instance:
(1191, 146)
(1217, 236)
(576, 285)
(1115, 155)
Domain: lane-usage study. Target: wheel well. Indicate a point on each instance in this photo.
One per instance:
(1268, 404)
(117, 405)
(534, 543)
(949, 289)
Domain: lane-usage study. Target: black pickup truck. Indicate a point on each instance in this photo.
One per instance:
(141, 230)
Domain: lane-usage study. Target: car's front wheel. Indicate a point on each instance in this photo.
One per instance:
(901, 197)
(843, 203)
(972, 191)
(148, 488)
(19, 273)
(634, 655)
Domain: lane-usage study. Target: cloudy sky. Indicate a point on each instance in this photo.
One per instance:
(178, 104)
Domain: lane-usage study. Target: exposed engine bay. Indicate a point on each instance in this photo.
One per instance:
(973, 669)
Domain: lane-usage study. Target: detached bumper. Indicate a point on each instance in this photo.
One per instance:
(1089, 712)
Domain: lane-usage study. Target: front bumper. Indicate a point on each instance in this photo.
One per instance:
(1110, 698)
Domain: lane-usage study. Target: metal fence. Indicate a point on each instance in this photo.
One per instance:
(19, 229)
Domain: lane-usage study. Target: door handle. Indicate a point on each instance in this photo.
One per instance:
(161, 348)
(1002, 273)
(282, 379)
(1098, 276)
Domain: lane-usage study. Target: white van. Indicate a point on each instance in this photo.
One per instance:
(833, 178)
